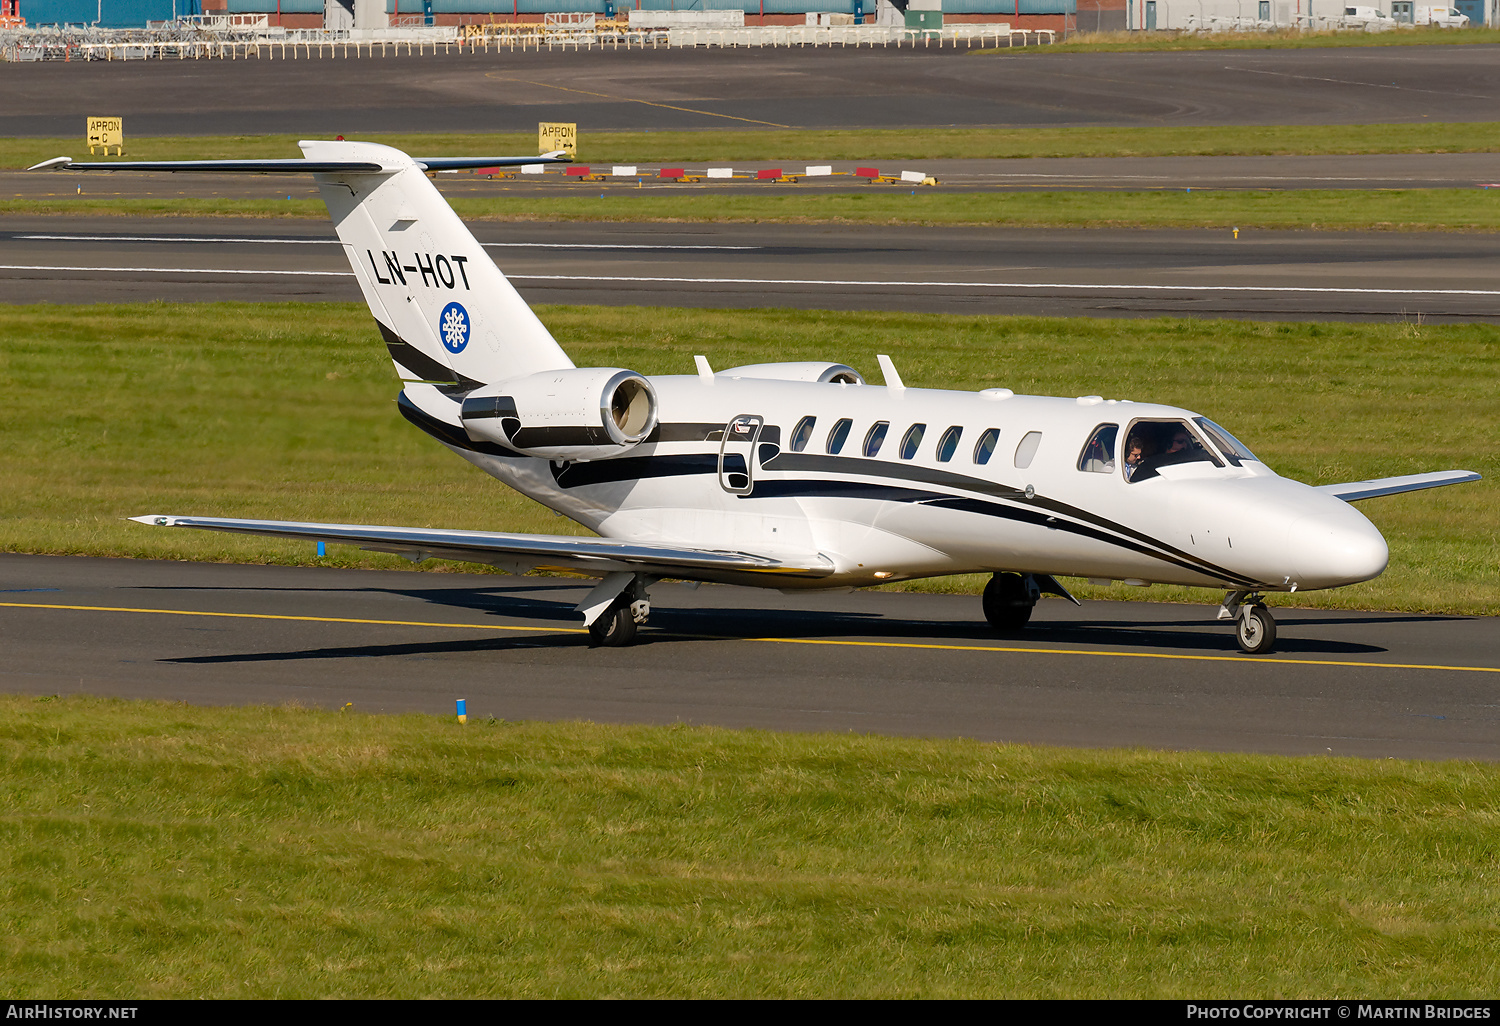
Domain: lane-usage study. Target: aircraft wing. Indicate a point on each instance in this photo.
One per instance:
(290, 165)
(518, 552)
(1353, 491)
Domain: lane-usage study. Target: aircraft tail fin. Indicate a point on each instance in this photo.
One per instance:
(446, 311)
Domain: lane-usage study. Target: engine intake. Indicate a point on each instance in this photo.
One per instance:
(583, 413)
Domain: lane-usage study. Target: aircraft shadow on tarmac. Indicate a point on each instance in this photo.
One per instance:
(677, 625)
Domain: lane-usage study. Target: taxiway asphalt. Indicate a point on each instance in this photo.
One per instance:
(1109, 674)
(756, 88)
(1434, 277)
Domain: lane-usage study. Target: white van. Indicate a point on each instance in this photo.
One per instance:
(1443, 17)
(1407, 13)
(1368, 18)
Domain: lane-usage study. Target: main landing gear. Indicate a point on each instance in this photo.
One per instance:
(1009, 600)
(616, 608)
(1255, 628)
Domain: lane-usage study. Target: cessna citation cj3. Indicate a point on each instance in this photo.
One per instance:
(794, 475)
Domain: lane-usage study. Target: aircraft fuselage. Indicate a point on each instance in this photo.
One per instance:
(898, 509)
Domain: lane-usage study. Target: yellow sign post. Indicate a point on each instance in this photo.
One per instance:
(551, 136)
(107, 132)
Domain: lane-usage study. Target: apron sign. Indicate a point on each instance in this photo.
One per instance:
(107, 132)
(552, 136)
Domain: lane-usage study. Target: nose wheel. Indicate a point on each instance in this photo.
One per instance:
(1255, 627)
(1256, 630)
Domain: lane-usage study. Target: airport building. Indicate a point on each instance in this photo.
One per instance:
(1090, 15)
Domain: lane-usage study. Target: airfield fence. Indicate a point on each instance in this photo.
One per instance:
(250, 38)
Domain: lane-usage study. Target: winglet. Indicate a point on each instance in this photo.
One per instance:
(888, 370)
(705, 372)
(55, 164)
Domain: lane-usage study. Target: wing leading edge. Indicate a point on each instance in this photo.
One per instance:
(291, 165)
(1354, 491)
(517, 552)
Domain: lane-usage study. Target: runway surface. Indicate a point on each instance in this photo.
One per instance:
(1110, 674)
(756, 88)
(1271, 275)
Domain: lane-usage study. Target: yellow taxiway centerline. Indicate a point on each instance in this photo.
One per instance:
(781, 641)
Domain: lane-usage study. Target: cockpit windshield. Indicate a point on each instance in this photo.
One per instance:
(1153, 444)
(1233, 449)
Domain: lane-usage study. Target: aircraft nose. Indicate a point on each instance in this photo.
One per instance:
(1335, 548)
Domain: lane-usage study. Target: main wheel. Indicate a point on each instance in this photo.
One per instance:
(1256, 631)
(1007, 603)
(615, 629)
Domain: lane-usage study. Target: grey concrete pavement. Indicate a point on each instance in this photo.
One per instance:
(1109, 674)
(748, 88)
(1105, 272)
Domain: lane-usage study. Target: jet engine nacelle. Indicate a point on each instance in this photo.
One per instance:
(583, 413)
(811, 370)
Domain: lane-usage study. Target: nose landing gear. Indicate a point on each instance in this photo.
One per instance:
(1255, 627)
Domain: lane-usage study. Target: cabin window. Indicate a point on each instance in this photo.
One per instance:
(838, 436)
(912, 440)
(1233, 449)
(1098, 456)
(985, 447)
(1153, 444)
(876, 438)
(802, 432)
(1026, 451)
(948, 444)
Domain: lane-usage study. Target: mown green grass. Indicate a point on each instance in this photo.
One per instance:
(287, 412)
(164, 851)
(818, 145)
(1288, 39)
(1332, 210)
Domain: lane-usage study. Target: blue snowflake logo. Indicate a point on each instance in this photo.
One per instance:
(453, 326)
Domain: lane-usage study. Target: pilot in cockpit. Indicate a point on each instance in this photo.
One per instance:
(1162, 445)
(1135, 451)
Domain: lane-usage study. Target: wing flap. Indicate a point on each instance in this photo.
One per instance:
(588, 555)
(1354, 491)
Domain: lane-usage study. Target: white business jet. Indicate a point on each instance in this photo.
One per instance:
(794, 475)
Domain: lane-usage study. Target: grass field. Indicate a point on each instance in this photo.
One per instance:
(816, 146)
(165, 851)
(1289, 39)
(287, 412)
(1315, 210)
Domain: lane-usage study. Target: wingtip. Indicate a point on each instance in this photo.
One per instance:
(55, 164)
(154, 520)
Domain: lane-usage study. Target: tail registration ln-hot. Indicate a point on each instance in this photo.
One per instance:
(794, 475)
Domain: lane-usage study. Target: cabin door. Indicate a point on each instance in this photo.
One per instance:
(737, 453)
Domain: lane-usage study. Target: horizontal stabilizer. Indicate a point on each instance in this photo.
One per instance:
(596, 556)
(289, 166)
(1354, 491)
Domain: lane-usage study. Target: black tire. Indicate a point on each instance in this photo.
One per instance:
(615, 629)
(1256, 632)
(1007, 604)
